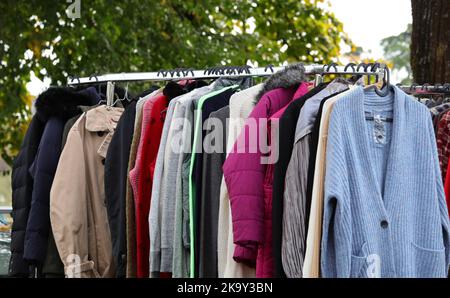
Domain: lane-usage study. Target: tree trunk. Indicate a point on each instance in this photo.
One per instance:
(430, 46)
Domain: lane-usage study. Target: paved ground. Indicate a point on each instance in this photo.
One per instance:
(4, 252)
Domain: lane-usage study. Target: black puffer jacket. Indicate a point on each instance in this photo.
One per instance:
(22, 189)
(61, 103)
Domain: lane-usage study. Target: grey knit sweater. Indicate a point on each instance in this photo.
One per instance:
(384, 207)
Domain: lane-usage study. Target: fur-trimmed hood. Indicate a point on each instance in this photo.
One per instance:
(291, 75)
(64, 102)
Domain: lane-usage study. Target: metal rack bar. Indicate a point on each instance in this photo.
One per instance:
(202, 74)
(5, 210)
(445, 87)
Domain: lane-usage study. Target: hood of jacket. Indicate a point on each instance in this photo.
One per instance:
(64, 102)
(292, 75)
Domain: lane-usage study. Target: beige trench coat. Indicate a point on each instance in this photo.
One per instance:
(77, 199)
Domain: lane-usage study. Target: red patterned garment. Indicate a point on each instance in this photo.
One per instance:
(447, 190)
(443, 142)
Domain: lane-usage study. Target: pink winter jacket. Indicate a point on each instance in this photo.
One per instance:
(249, 183)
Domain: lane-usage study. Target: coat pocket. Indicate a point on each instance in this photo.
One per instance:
(359, 263)
(428, 263)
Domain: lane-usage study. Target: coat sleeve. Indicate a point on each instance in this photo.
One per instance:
(336, 243)
(244, 174)
(43, 172)
(68, 209)
(293, 216)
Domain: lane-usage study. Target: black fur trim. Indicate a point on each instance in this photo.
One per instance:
(173, 90)
(62, 102)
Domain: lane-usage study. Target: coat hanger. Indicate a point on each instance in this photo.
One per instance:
(73, 78)
(98, 84)
(124, 98)
(355, 78)
(110, 93)
(383, 91)
(385, 88)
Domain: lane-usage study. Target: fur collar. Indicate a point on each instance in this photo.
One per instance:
(292, 75)
(64, 102)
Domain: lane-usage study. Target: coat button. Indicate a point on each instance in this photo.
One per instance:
(384, 224)
(103, 161)
(100, 133)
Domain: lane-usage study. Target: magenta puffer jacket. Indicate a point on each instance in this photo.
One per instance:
(249, 184)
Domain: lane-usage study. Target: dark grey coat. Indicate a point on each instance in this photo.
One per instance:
(116, 175)
(210, 193)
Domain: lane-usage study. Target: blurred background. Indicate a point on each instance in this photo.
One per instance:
(43, 42)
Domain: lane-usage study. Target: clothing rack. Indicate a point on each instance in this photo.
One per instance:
(5, 210)
(426, 87)
(372, 69)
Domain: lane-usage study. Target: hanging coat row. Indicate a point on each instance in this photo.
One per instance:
(333, 181)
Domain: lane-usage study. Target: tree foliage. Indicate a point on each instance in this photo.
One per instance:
(397, 51)
(121, 36)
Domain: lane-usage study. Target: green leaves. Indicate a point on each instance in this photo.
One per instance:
(146, 35)
(397, 51)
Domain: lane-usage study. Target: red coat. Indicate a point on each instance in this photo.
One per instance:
(141, 176)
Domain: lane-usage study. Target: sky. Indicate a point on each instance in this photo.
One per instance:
(366, 22)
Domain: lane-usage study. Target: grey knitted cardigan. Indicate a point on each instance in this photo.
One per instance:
(385, 213)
